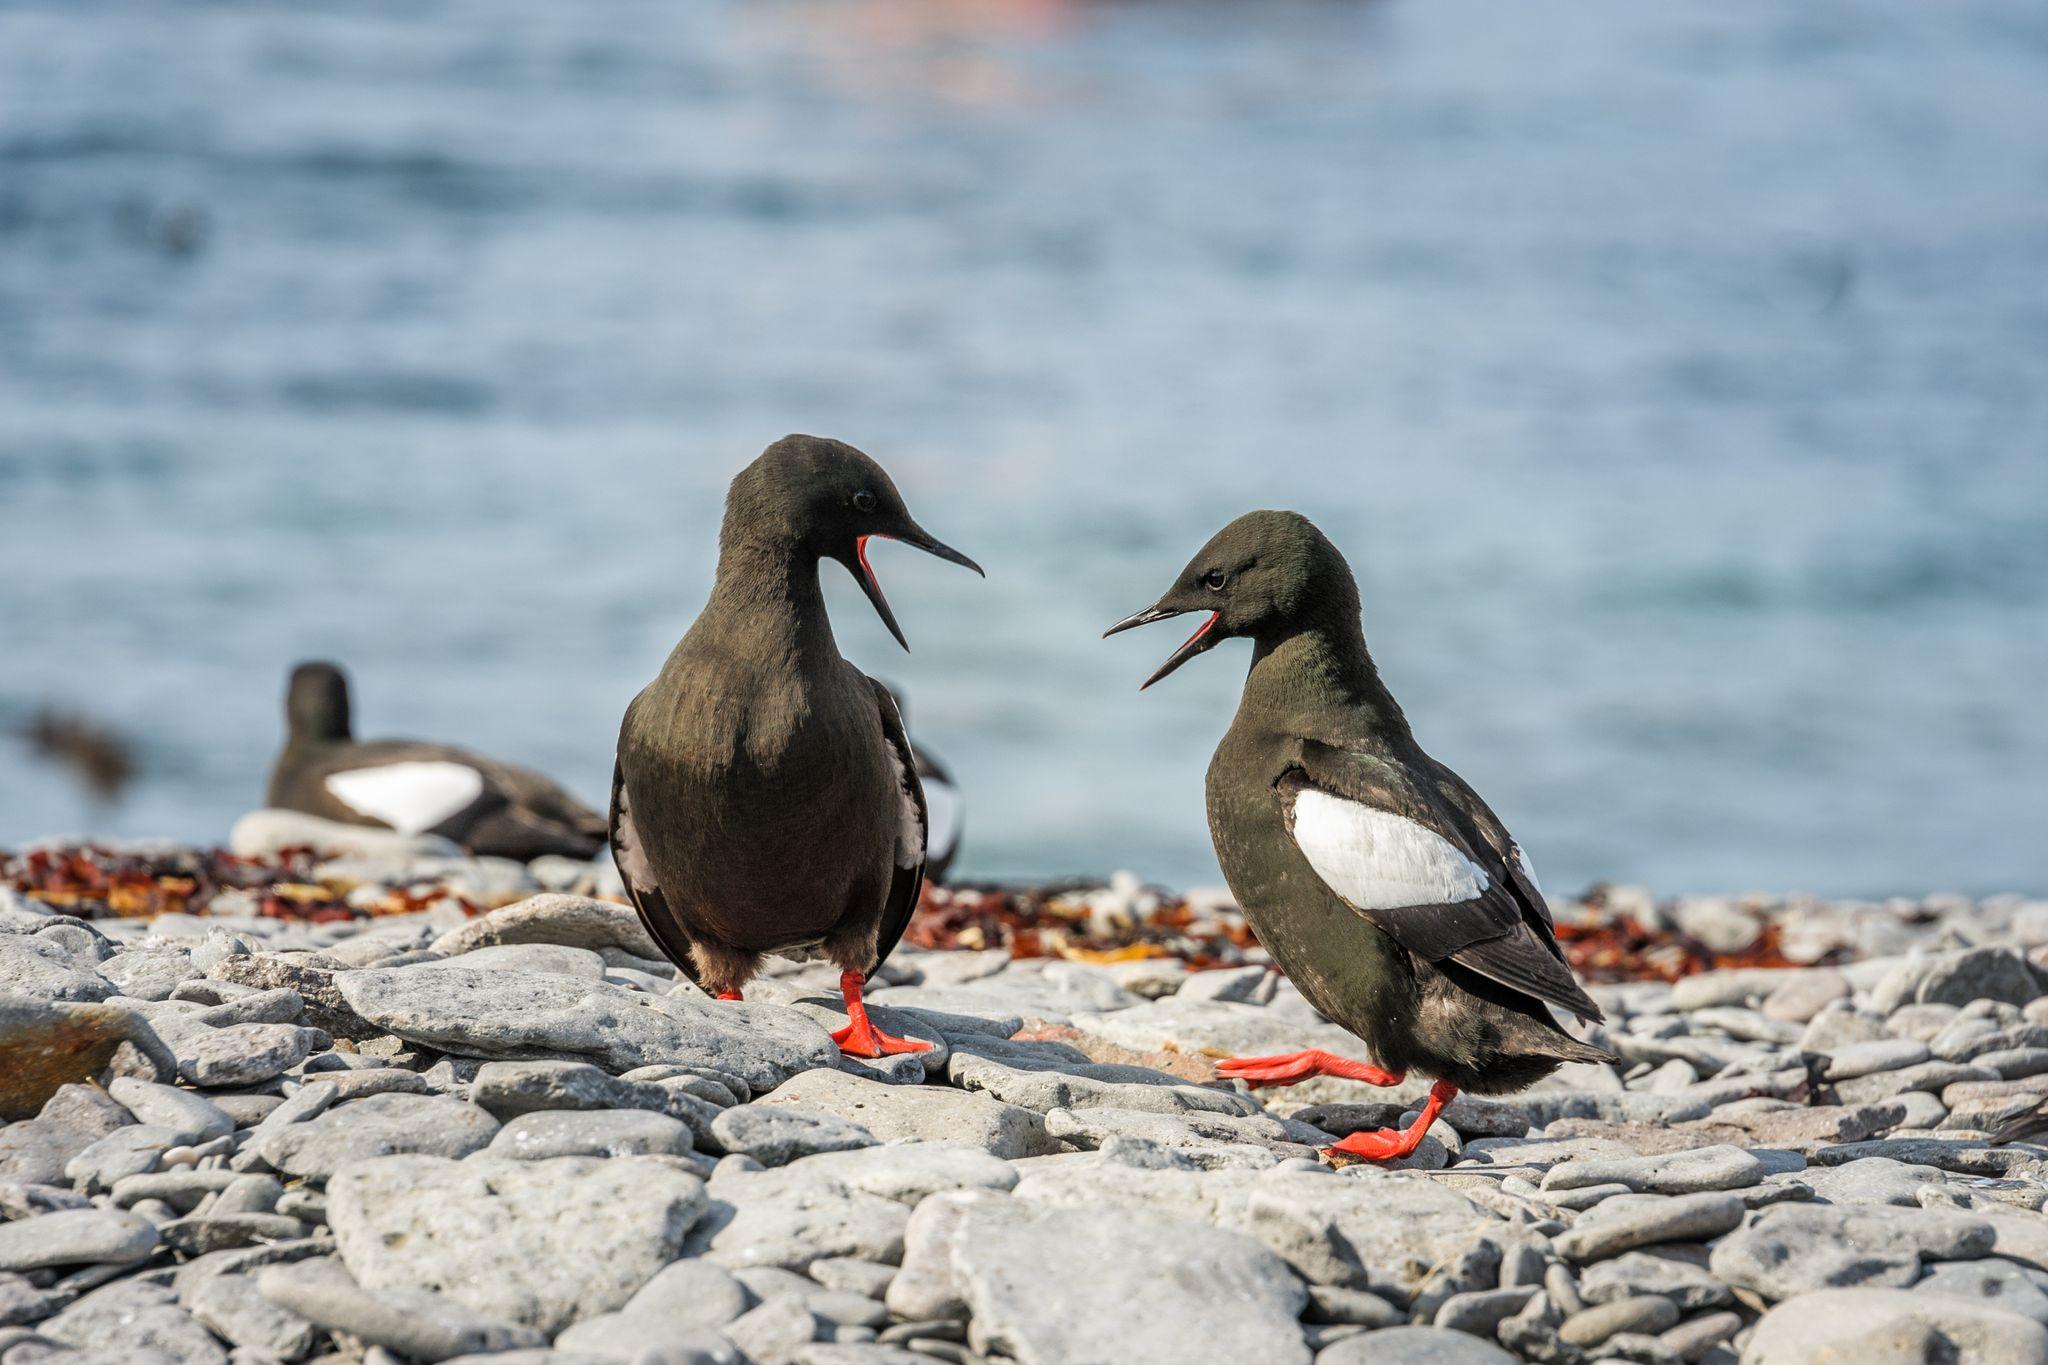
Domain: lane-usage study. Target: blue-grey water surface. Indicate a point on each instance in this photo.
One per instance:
(1674, 375)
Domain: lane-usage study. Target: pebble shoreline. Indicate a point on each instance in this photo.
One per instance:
(517, 1138)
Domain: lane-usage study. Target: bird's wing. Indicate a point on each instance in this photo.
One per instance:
(410, 796)
(912, 828)
(546, 798)
(642, 887)
(943, 809)
(1391, 850)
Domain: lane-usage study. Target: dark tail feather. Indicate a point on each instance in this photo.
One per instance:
(2021, 1126)
(1566, 1048)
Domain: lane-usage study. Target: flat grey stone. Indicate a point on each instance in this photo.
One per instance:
(1591, 1327)
(149, 973)
(1366, 1225)
(1638, 1273)
(576, 921)
(622, 1336)
(907, 1171)
(231, 1306)
(197, 1235)
(1414, 1346)
(323, 1005)
(1688, 1172)
(539, 1243)
(776, 1135)
(1041, 989)
(280, 1005)
(1218, 1027)
(129, 1320)
(507, 1089)
(1802, 995)
(482, 1013)
(414, 1322)
(1891, 1327)
(194, 1118)
(690, 1293)
(926, 1112)
(1191, 1130)
(536, 957)
(78, 1237)
(1678, 1218)
(130, 1150)
(382, 1125)
(39, 969)
(1479, 1312)
(1958, 978)
(788, 1218)
(1228, 1298)
(1088, 1085)
(38, 1151)
(1798, 1248)
(1932, 1075)
(1993, 1282)
(1872, 1180)
(595, 1132)
(854, 1276)
(1886, 1054)
(773, 1330)
(238, 1055)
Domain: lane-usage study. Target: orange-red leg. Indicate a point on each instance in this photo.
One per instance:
(860, 1038)
(730, 995)
(1388, 1145)
(1293, 1067)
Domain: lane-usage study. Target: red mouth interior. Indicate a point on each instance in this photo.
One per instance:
(1204, 630)
(860, 552)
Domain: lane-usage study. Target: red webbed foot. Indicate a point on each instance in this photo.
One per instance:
(860, 1037)
(730, 995)
(1387, 1144)
(1293, 1067)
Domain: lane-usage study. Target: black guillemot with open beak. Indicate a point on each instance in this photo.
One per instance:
(766, 798)
(1384, 887)
(414, 787)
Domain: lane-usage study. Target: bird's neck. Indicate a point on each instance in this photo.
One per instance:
(766, 601)
(1320, 680)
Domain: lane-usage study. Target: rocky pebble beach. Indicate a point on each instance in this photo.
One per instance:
(488, 1122)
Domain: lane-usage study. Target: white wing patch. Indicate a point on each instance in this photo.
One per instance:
(910, 838)
(1378, 860)
(409, 797)
(1528, 868)
(626, 851)
(942, 804)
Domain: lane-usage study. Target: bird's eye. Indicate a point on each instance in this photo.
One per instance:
(864, 500)
(1214, 580)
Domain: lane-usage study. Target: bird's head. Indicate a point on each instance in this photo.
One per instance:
(829, 500)
(1263, 576)
(316, 702)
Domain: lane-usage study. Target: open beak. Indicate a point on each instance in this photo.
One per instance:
(872, 586)
(1200, 642)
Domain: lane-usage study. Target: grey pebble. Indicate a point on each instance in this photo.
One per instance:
(776, 1135)
(76, 1237)
(192, 1117)
(598, 1132)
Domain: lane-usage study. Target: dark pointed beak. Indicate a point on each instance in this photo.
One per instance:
(872, 586)
(1200, 642)
(932, 545)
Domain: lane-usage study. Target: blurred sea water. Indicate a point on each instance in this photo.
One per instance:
(1675, 376)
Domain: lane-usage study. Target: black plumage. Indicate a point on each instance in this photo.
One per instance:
(1387, 889)
(765, 798)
